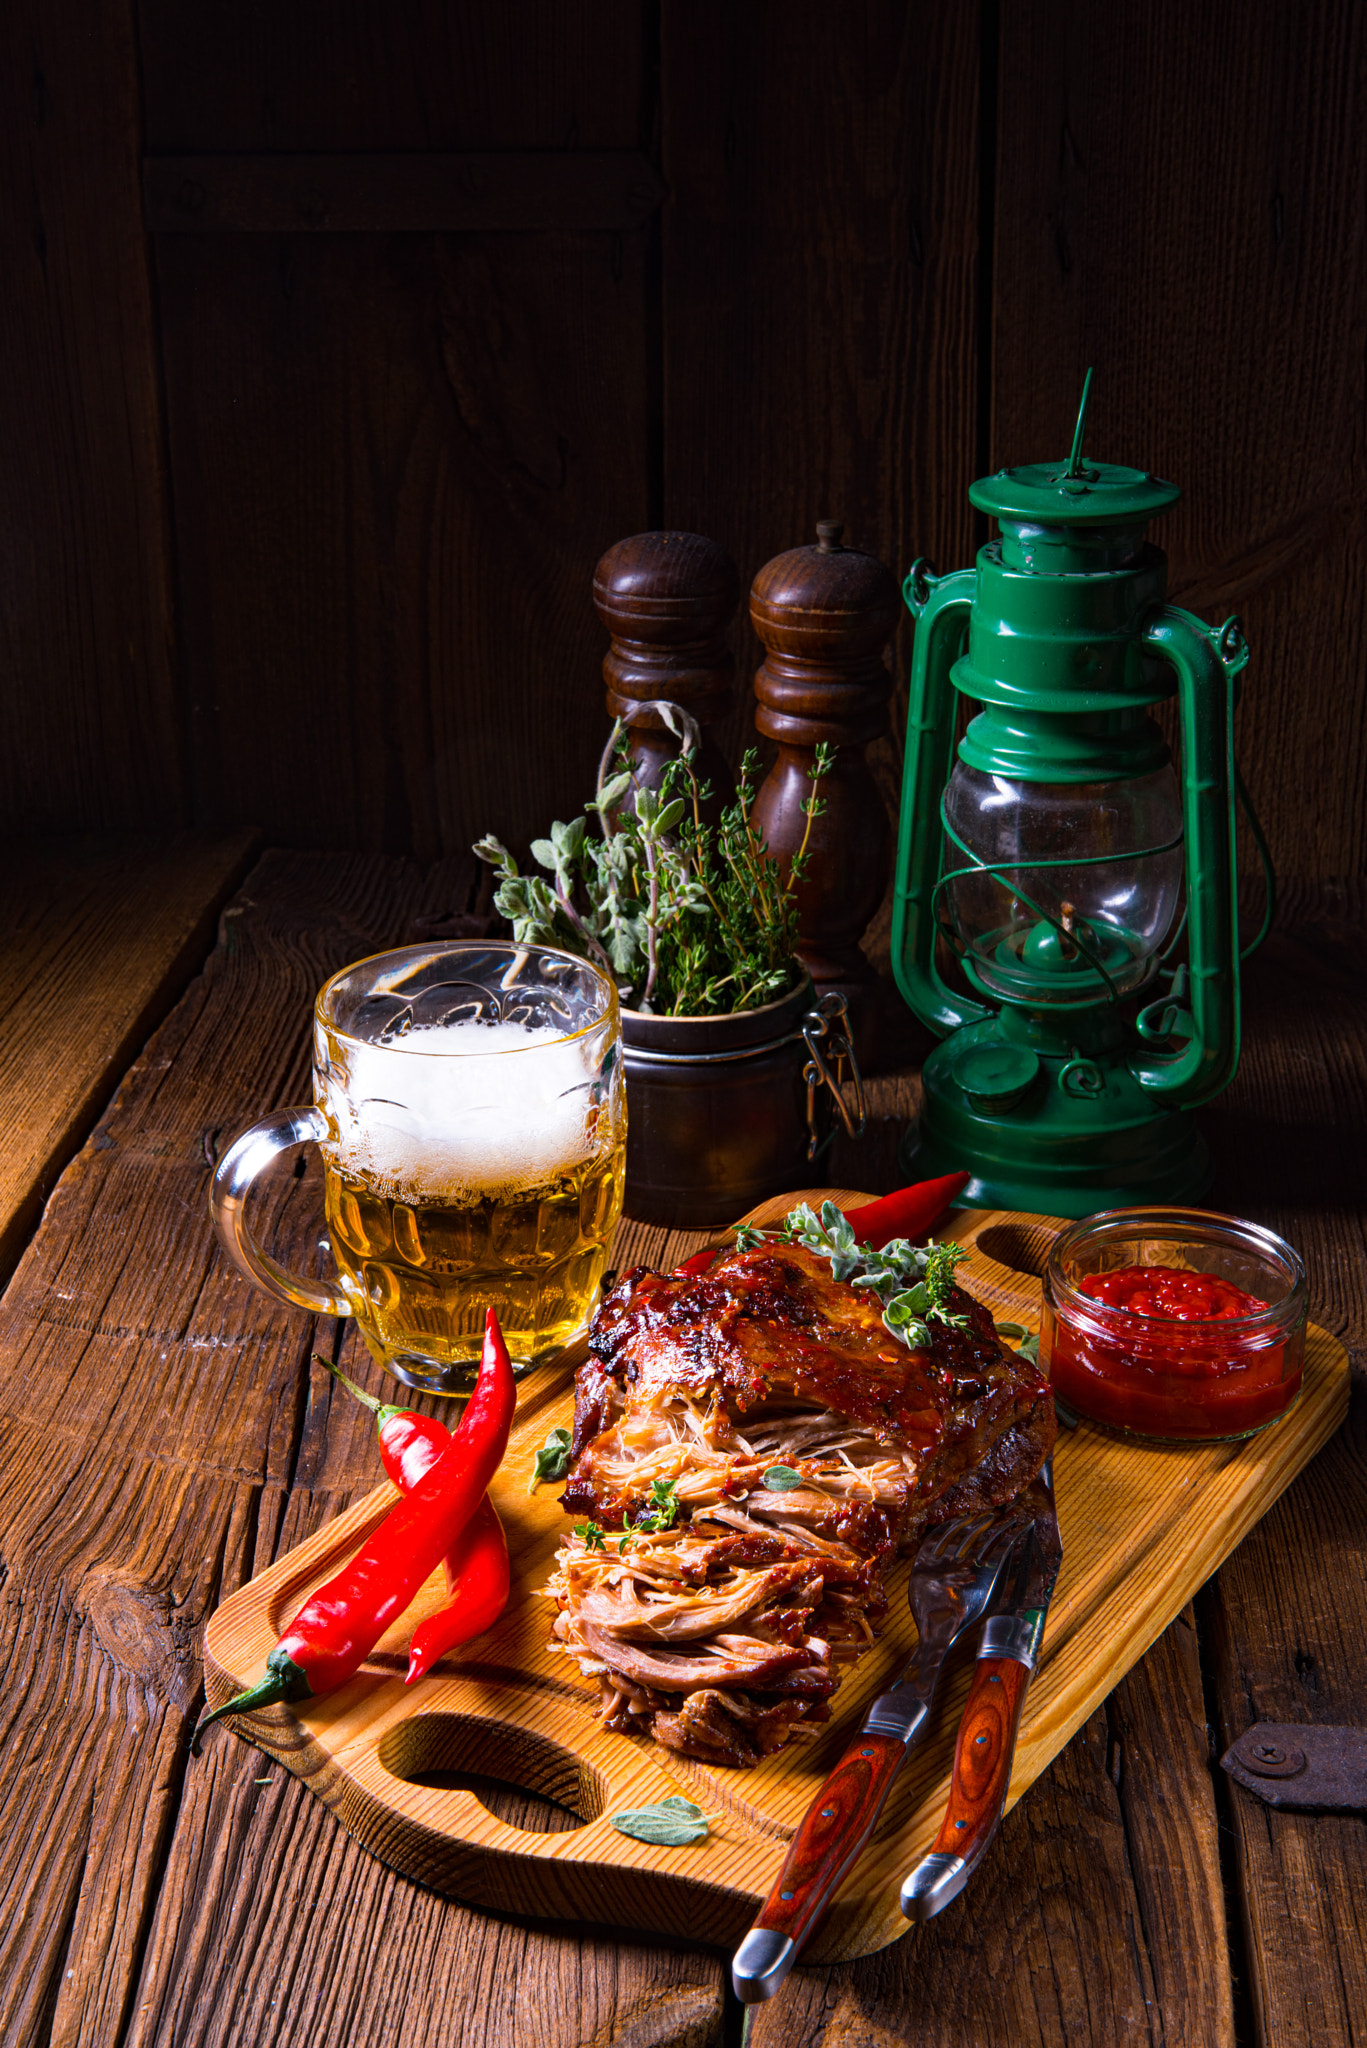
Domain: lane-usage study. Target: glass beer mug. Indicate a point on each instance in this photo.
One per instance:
(471, 1113)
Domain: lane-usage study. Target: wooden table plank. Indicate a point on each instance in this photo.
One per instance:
(1097, 1917)
(98, 938)
(150, 1402)
(162, 1438)
(1284, 1622)
(327, 1478)
(1287, 1614)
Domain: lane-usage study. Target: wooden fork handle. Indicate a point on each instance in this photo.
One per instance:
(831, 1834)
(982, 1758)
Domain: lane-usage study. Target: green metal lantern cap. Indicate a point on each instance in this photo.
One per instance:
(1072, 516)
(1097, 494)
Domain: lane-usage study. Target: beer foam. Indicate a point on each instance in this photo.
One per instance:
(466, 1109)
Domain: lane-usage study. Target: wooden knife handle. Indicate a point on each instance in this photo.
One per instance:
(982, 1757)
(830, 1835)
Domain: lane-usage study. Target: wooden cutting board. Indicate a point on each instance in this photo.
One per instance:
(1143, 1527)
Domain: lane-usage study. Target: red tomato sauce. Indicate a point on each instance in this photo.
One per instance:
(1175, 1373)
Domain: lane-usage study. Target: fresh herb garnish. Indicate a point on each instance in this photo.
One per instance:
(663, 1510)
(1026, 1342)
(591, 1534)
(693, 919)
(748, 1238)
(552, 1460)
(915, 1283)
(781, 1479)
(830, 1235)
(672, 1822)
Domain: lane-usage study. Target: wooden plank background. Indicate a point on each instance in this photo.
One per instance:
(300, 525)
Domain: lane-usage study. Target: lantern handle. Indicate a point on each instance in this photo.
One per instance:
(940, 605)
(1206, 661)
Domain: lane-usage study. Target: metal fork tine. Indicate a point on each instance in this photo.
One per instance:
(954, 1538)
(951, 1536)
(1006, 1539)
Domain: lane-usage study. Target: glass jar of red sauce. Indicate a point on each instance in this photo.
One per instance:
(1174, 1324)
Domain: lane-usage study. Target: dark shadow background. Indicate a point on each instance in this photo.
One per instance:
(311, 435)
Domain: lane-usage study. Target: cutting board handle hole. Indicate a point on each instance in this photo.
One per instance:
(446, 1750)
(1023, 1247)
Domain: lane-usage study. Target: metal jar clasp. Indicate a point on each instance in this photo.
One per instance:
(826, 1031)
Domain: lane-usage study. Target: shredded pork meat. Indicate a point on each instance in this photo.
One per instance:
(721, 1633)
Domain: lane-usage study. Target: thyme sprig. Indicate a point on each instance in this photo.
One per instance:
(914, 1283)
(661, 1512)
(691, 919)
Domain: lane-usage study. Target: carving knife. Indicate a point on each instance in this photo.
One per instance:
(1010, 1647)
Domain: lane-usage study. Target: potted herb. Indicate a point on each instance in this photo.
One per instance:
(697, 925)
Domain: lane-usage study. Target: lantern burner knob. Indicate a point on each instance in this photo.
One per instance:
(1058, 947)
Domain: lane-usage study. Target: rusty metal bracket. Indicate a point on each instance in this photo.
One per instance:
(1302, 1766)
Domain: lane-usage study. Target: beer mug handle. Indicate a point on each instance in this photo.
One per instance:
(247, 1157)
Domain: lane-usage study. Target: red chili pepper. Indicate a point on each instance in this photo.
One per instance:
(699, 1262)
(410, 1444)
(479, 1592)
(911, 1212)
(338, 1626)
(477, 1572)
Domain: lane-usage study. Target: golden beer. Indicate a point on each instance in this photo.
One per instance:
(470, 1108)
(421, 1272)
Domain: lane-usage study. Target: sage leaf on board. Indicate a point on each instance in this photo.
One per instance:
(671, 1823)
(552, 1460)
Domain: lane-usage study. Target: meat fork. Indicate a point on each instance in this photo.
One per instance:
(953, 1578)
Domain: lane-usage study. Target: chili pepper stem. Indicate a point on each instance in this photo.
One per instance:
(383, 1411)
(284, 1680)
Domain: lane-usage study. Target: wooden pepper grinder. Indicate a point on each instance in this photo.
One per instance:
(667, 600)
(825, 615)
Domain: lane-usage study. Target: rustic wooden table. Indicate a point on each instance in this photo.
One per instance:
(164, 1437)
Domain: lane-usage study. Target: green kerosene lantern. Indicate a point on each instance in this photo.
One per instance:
(1065, 858)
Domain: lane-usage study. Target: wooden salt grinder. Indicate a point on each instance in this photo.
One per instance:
(825, 615)
(667, 600)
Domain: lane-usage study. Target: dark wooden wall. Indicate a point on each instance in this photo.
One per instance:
(310, 435)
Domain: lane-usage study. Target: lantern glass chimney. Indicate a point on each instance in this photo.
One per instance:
(1061, 892)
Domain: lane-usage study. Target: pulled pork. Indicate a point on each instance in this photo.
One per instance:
(721, 1632)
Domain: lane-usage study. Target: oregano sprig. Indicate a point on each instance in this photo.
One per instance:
(914, 1283)
(692, 919)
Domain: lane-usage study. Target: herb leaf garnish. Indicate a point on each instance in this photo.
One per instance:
(552, 1460)
(690, 917)
(1025, 1342)
(663, 1510)
(915, 1283)
(671, 1822)
(781, 1478)
(591, 1535)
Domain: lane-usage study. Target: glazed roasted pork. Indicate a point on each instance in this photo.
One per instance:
(718, 1633)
